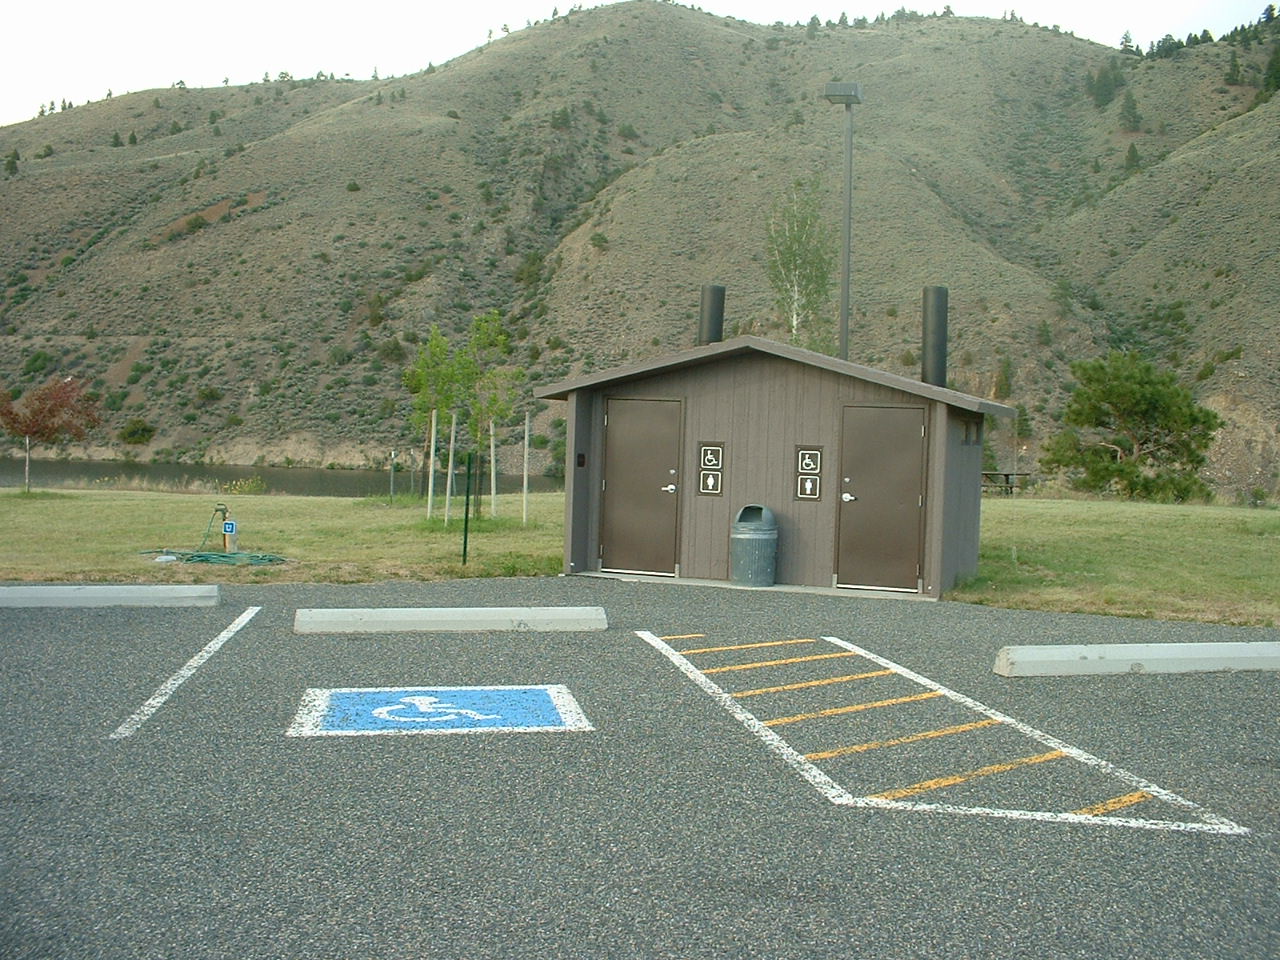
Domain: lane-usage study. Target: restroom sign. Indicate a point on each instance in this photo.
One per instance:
(808, 475)
(809, 460)
(710, 469)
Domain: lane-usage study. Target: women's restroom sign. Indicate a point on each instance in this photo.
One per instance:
(710, 469)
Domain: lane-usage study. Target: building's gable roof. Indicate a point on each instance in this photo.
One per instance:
(741, 346)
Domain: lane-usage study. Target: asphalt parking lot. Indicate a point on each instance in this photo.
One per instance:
(718, 773)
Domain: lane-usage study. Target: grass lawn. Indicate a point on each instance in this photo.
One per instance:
(1168, 562)
(1215, 564)
(101, 535)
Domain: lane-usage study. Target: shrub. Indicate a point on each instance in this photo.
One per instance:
(137, 431)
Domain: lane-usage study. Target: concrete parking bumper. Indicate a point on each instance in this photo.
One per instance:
(452, 619)
(107, 595)
(1065, 660)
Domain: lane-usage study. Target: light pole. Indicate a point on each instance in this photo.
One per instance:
(848, 94)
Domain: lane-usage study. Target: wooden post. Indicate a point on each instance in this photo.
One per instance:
(525, 488)
(448, 480)
(431, 472)
(493, 469)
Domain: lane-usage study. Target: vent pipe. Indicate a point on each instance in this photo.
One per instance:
(933, 352)
(711, 314)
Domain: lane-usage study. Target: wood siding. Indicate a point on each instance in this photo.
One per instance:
(761, 408)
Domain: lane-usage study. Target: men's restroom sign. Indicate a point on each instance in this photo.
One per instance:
(367, 711)
(710, 469)
(808, 473)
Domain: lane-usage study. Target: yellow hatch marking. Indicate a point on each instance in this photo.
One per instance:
(811, 683)
(914, 738)
(1115, 803)
(778, 663)
(836, 711)
(743, 646)
(941, 782)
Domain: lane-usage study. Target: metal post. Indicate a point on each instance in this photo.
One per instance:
(848, 94)
(847, 267)
(393, 476)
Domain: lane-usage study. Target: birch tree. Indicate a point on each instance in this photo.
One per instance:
(801, 257)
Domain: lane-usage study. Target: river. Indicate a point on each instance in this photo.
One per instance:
(220, 479)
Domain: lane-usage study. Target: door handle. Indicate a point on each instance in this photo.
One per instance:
(848, 497)
(669, 488)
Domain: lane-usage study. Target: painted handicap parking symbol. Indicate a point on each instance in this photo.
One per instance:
(365, 711)
(428, 710)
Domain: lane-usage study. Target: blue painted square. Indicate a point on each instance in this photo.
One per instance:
(361, 711)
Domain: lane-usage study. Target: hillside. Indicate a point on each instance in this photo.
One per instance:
(251, 268)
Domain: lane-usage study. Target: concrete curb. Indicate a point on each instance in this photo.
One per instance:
(104, 595)
(1069, 660)
(452, 619)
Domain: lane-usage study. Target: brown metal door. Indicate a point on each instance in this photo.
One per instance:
(641, 497)
(881, 498)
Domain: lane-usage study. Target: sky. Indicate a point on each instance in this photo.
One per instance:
(79, 50)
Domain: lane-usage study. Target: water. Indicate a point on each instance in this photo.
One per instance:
(299, 481)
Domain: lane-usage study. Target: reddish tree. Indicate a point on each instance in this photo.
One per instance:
(51, 413)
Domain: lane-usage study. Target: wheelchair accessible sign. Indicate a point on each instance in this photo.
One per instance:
(371, 711)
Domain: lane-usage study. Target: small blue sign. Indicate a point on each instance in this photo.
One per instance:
(228, 527)
(365, 711)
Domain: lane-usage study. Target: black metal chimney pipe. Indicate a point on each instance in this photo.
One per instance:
(933, 352)
(711, 314)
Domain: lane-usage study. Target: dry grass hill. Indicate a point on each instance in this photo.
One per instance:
(249, 270)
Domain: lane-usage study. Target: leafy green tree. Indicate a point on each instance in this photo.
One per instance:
(11, 164)
(1132, 159)
(60, 409)
(433, 379)
(801, 257)
(1132, 429)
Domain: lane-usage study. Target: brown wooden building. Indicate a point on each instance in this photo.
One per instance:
(875, 479)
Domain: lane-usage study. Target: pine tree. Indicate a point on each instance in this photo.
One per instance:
(1130, 118)
(1233, 70)
(1133, 429)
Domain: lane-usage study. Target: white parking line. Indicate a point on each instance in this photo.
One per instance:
(166, 689)
(1212, 824)
(824, 784)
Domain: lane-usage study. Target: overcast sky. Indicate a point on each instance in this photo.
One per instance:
(78, 50)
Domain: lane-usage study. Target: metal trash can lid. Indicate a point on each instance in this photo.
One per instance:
(755, 515)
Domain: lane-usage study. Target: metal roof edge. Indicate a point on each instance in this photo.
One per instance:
(751, 344)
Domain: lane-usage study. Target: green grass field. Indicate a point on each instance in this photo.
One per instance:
(101, 535)
(1214, 564)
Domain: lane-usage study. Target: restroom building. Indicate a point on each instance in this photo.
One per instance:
(874, 479)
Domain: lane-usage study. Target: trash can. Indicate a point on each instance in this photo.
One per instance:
(753, 547)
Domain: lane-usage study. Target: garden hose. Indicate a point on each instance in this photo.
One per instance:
(235, 559)
(200, 555)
